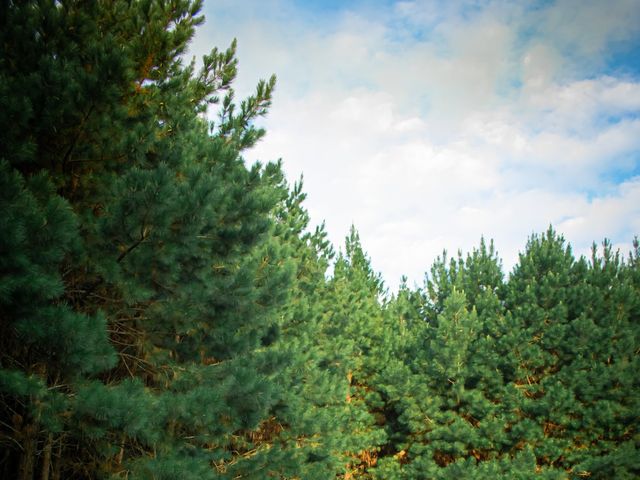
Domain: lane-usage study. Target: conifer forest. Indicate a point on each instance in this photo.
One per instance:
(168, 311)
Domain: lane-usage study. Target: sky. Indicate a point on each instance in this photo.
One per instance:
(429, 124)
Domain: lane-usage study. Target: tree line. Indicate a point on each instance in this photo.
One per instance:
(169, 312)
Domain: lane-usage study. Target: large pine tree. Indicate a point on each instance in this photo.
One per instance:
(528, 378)
(139, 278)
(577, 352)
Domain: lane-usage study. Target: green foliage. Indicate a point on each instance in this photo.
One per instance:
(518, 379)
(140, 274)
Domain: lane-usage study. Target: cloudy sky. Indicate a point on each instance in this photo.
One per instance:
(428, 124)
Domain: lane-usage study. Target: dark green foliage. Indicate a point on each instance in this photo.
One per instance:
(532, 378)
(453, 362)
(577, 357)
(139, 274)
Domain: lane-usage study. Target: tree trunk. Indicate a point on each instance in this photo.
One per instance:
(349, 379)
(121, 452)
(57, 463)
(46, 458)
(28, 457)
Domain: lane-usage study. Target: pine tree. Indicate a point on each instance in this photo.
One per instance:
(312, 419)
(397, 380)
(454, 399)
(140, 278)
(45, 342)
(577, 341)
(354, 333)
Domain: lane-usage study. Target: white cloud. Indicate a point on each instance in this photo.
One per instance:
(540, 65)
(429, 141)
(588, 26)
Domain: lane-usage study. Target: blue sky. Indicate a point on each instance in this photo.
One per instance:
(429, 124)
